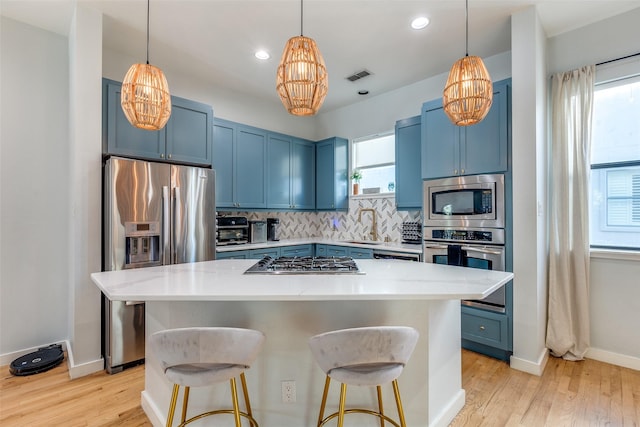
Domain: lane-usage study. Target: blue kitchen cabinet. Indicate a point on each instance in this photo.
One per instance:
(187, 137)
(232, 255)
(297, 251)
(408, 168)
(450, 150)
(290, 173)
(360, 253)
(261, 253)
(240, 162)
(320, 250)
(334, 250)
(332, 165)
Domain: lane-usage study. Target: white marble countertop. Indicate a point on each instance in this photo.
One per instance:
(386, 246)
(223, 280)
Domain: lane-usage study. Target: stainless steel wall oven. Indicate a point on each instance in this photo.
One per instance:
(464, 226)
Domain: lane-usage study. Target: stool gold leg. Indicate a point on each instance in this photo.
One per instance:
(246, 393)
(234, 397)
(172, 405)
(185, 402)
(380, 408)
(324, 400)
(396, 392)
(343, 398)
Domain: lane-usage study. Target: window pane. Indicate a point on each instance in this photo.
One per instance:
(378, 151)
(616, 124)
(381, 177)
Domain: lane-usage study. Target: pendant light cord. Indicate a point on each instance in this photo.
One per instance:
(466, 46)
(301, 13)
(148, 32)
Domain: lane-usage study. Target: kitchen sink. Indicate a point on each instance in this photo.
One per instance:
(364, 242)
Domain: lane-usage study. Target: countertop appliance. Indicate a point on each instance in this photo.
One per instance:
(258, 231)
(305, 265)
(273, 229)
(232, 230)
(153, 214)
(464, 226)
(465, 201)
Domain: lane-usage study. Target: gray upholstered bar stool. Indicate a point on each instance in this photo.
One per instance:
(370, 356)
(197, 357)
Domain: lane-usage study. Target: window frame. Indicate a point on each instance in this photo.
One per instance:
(352, 161)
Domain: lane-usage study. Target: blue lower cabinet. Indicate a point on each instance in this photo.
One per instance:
(337, 250)
(261, 253)
(321, 250)
(358, 253)
(232, 255)
(297, 251)
(485, 327)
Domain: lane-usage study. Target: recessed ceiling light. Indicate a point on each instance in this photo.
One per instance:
(262, 54)
(419, 23)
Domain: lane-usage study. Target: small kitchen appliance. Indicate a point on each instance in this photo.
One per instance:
(258, 231)
(273, 229)
(305, 265)
(232, 230)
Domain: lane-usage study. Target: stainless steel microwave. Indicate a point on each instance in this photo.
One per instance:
(465, 201)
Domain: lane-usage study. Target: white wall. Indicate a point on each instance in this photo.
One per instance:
(34, 176)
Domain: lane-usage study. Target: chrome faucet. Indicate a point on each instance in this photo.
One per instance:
(374, 226)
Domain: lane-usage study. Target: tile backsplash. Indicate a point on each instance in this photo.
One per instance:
(342, 225)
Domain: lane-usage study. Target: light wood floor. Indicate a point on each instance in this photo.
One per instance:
(587, 393)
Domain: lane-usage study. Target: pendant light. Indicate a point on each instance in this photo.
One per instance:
(302, 81)
(145, 97)
(468, 92)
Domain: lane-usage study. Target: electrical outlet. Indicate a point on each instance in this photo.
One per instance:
(288, 391)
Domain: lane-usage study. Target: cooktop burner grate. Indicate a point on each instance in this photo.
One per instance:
(305, 265)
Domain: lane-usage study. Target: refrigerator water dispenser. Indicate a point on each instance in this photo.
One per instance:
(142, 244)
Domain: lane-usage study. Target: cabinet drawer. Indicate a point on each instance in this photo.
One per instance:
(298, 250)
(261, 253)
(361, 253)
(337, 251)
(232, 255)
(485, 328)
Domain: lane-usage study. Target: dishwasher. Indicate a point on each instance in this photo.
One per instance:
(406, 256)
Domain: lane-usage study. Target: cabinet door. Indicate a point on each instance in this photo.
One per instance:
(321, 250)
(485, 146)
(408, 168)
(297, 251)
(120, 137)
(232, 255)
(279, 172)
(358, 253)
(189, 132)
(440, 143)
(223, 162)
(261, 253)
(337, 250)
(250, 168)
(324, 175)
(303, 173)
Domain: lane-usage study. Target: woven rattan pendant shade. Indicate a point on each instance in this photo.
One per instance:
(145, 97)
(468, 93)
(302, 81)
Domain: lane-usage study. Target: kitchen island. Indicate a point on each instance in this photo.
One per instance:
(291, 308)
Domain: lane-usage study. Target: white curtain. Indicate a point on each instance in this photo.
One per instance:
(568, 316)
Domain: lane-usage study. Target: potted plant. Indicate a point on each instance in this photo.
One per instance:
(356, 176)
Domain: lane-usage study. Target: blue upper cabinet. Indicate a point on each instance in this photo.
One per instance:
(240, 165)
(449, 150)
(332, 165)
(187, 137)
(408, 169)
(290, 173)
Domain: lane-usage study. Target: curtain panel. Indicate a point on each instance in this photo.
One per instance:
(568, 327)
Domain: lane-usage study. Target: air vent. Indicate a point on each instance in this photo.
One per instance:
(359, 75)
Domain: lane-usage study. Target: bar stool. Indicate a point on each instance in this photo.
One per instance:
(196, 357)
(369, 356)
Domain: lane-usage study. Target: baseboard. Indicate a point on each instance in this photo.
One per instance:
(151, 410)
(613, 358)
(450, 411)
(534, 368)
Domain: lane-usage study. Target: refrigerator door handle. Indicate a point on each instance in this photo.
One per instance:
(166, 200)
(177, 222)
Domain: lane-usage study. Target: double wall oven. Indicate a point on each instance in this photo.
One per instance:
(464, 225)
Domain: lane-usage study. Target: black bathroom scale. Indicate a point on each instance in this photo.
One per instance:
(41, 360)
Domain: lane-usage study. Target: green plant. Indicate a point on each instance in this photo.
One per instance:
(356, 175)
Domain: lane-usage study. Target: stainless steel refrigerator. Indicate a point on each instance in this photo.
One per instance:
(153, 214)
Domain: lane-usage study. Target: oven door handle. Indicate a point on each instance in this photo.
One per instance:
(435, 246)
(482, 250)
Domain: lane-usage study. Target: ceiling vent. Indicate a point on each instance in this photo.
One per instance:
(359, 75)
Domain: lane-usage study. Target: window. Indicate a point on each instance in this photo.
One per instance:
(375, 158)
(615, 165)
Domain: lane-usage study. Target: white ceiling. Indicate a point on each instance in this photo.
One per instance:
(216, 39)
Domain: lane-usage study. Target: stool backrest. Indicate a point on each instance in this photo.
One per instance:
(364, 346)
(213, 345)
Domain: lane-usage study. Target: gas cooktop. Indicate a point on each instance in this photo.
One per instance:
(305, 265)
